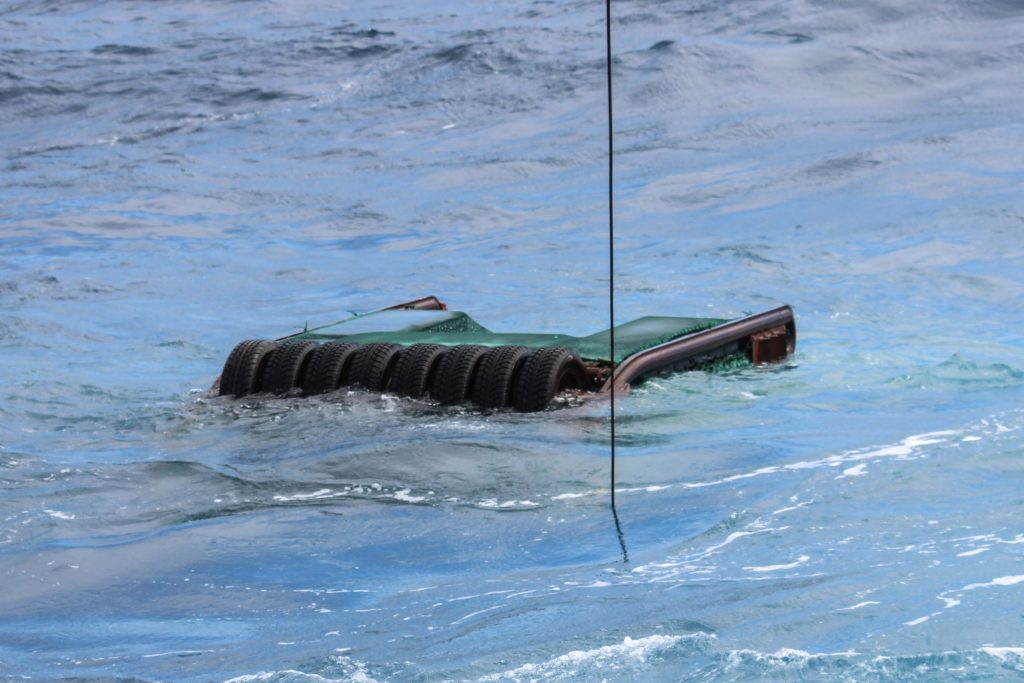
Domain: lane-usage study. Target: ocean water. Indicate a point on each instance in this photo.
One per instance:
(180, 175)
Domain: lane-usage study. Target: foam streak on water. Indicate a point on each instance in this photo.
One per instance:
(178, 176)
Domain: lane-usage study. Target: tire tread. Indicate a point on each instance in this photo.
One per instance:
(250, 367)
(328, 367)
(372, 364)
(495, 378)
(454, 376)
(415, 368)
(286, 365)
(540, 378)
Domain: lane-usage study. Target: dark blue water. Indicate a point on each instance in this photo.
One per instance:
(178, 176)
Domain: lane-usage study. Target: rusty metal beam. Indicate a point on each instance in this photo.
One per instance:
(427, 303)
(775, 331)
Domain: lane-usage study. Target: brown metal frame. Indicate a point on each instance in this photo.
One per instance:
(427, 303)
(764, 337)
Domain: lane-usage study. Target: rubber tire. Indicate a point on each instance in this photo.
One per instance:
(328, 367)
(227, 375)
(372, 365)
(286, 366)
(415, 368)
(244, 368)
(492, 386)
(546, 372)
(454, 376)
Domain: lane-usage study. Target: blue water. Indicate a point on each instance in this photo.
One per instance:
(178, 176)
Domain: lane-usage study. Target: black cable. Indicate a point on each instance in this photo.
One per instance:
(611, 265)
(611, 230)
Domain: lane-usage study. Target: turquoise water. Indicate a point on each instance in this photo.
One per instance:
(178, 176)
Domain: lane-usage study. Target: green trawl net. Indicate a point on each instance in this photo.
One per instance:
(451, 328)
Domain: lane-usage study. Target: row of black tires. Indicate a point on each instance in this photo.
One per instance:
(498, 377)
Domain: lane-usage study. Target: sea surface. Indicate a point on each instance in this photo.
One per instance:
(176, 176)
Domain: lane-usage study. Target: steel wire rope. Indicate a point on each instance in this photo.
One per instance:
(611, 269)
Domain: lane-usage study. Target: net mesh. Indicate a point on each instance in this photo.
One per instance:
(451, 328)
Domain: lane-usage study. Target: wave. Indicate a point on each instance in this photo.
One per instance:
(692, 657)
(624, 660)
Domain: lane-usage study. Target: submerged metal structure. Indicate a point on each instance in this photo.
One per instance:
(420, 349)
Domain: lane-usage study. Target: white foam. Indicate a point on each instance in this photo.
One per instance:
(567, 496)
(404, 496)
(1005, 654)
(785, 657)
(777, 567)
(687, 562)
(291, 675)
(976, 551)
(315, 495)
(346, 670)
(904, 449)
(994, 583)
(648, 489)
(177, 653)
(855, 471)
(859, 605)
(793, 507)
(493, 504)
(1000, 581)
(578, 662)
(57, 514)
(734, 536)
(915, 622)
(461, 598)
(473, 614)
